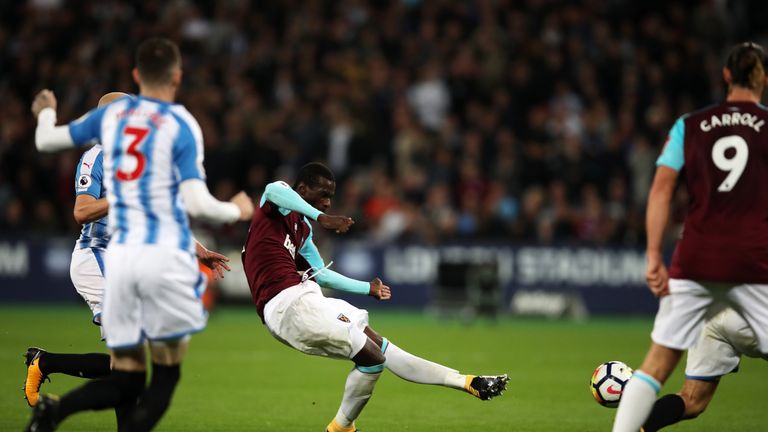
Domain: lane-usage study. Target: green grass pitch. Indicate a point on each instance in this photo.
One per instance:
(237, 378)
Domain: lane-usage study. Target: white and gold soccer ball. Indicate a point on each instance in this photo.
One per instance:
(608, 381)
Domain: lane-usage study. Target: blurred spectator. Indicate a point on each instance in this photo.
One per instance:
(527, 120)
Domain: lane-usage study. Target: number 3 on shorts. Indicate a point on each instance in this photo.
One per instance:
(734, 165)
(138, 136)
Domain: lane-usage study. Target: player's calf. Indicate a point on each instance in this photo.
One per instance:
(155, 400)
(416, 369)
(369, 363)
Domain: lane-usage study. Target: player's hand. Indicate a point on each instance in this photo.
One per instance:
(44, 99)
(656, 275)
(213, 260)
(340, 224)
(244, 203)
(379, 290)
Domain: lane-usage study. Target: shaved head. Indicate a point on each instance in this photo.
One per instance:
(111, 97)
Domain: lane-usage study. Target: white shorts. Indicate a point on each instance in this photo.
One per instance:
(303, 318)
(153, 292)
(725, 338)
(87, 273)
(690, 304)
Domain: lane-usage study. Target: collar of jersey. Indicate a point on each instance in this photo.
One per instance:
(156, 100)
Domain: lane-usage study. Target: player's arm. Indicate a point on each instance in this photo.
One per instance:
(328, 278)
(284, 197)
(89, 206)
(202, 205)
(656, 217)
(659, 201)
(51, 138)
(89, 209)
(188, 161)
(48, 136)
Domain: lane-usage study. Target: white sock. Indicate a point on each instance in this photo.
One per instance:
(636, 402)
(415, 369)
(357, 391)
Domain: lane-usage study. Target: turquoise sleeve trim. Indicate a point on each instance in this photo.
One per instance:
(328, 278)
(384, 344)
(331, 279)
(673, 155)
(282, 211)
(280, 194)
(311, 254)
(370, 369)
(648, 380)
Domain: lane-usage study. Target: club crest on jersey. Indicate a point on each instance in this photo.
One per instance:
(83, 182)
(343, 318)
(290, 246)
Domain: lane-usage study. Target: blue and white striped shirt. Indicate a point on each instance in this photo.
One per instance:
(150, 147)
(88, 181)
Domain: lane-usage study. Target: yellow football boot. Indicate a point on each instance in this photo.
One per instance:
(35, 376)
(486, 387)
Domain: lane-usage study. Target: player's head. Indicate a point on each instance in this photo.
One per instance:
(111, 97)
(158, 64)
(316, 184)
(746, 67)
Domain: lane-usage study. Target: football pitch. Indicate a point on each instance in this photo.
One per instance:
(238, 378)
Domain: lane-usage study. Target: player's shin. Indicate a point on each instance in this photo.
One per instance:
(669, 409)
(156, 398)
(357, 391)
(636, 402)
(95, 365)
(110, 392)
(416, 369)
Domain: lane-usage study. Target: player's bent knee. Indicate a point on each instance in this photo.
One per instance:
(129, 360)
(372, 335)
(169, 353)
(660, 362)
(369, 356)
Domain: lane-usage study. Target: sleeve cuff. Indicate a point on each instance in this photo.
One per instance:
(315, 213)
(47, 116)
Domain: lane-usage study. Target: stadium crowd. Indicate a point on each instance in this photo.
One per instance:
(519, 120)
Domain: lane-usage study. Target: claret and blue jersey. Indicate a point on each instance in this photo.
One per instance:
(279, 245)
(723, 151)
(149, 147)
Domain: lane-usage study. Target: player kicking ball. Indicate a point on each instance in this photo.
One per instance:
(725, 338)
(285, 272)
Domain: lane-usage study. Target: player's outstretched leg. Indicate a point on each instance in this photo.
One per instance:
(369, 363)
(41, 363)
(692, 400)
(120, 387)
(640, 392)
(416, 369)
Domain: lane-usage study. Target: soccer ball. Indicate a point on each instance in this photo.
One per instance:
(608, 381)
